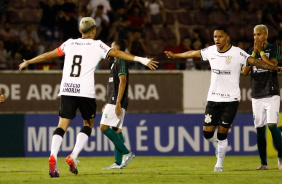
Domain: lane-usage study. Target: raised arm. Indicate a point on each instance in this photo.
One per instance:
(258, 46)
(188, 54)
(129, 57)
(43, 57)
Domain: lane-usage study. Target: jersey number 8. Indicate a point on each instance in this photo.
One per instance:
(76, 66)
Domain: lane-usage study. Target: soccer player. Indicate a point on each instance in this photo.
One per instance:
(2, 97)
(114, 111)
(77, 88)
(224, 92)
(265, 95)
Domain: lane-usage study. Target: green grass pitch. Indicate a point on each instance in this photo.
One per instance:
(181, 169)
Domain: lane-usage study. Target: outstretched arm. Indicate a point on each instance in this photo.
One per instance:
(43, 57)
(129, 57)
(188, 54)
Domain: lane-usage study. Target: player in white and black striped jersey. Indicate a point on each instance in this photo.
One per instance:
(77, 89)
(223, 98)
(265, 95)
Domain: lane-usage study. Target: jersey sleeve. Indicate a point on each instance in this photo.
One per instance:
(243, 57)
(205, 53)
(62, 49)
(104, 49)
(122, 68)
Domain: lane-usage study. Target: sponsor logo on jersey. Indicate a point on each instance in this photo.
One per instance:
(244, 55)
(71, 88)
(259, 70)
(208, 118)
(222, 95)
(222, 72)
(228, 60)
(103, 48)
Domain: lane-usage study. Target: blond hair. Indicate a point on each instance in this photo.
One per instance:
(86, 24)
(261, 27)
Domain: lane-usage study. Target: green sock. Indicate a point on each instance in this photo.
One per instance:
(112, 135)
(276, 136)
(118, 154)
(261, 142)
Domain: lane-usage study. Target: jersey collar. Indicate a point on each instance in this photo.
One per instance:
(224, 51)
(267, 44)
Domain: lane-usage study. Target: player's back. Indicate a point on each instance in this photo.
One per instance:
(81, 58)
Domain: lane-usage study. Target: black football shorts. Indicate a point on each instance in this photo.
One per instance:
(220, 113)
(70, 104)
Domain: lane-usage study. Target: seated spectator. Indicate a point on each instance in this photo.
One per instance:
(27, 51)
(135, 3)
(155, 11)
(93, 5)
(29, 33)
(272, 14)
(68, 20)
(136, 22)
(102, 23)
(136, 46)
(48, 23)
(10, 37)
(4, 57)
(185, 45)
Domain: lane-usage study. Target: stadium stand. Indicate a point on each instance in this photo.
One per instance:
(191, 15)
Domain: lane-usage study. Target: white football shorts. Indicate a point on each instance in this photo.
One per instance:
(266, 110)
(110, 118)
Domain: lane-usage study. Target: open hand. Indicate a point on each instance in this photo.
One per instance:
(23, 65)
(152, 64)
(169, 54)
(258, 45)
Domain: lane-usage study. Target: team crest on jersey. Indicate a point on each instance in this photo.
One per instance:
(228, 60)
(208, 118)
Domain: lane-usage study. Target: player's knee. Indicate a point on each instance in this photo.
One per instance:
(208, 135)
(103, 127)
(59, 131)
(221, 136)
(87, 130)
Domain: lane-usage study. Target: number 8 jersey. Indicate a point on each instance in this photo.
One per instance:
(81, 58)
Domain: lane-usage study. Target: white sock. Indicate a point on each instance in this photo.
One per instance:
(55, 146)
(214, 138)
(81, 140)
(222, 148)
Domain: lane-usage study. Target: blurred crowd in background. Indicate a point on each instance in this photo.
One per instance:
(31, 27)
